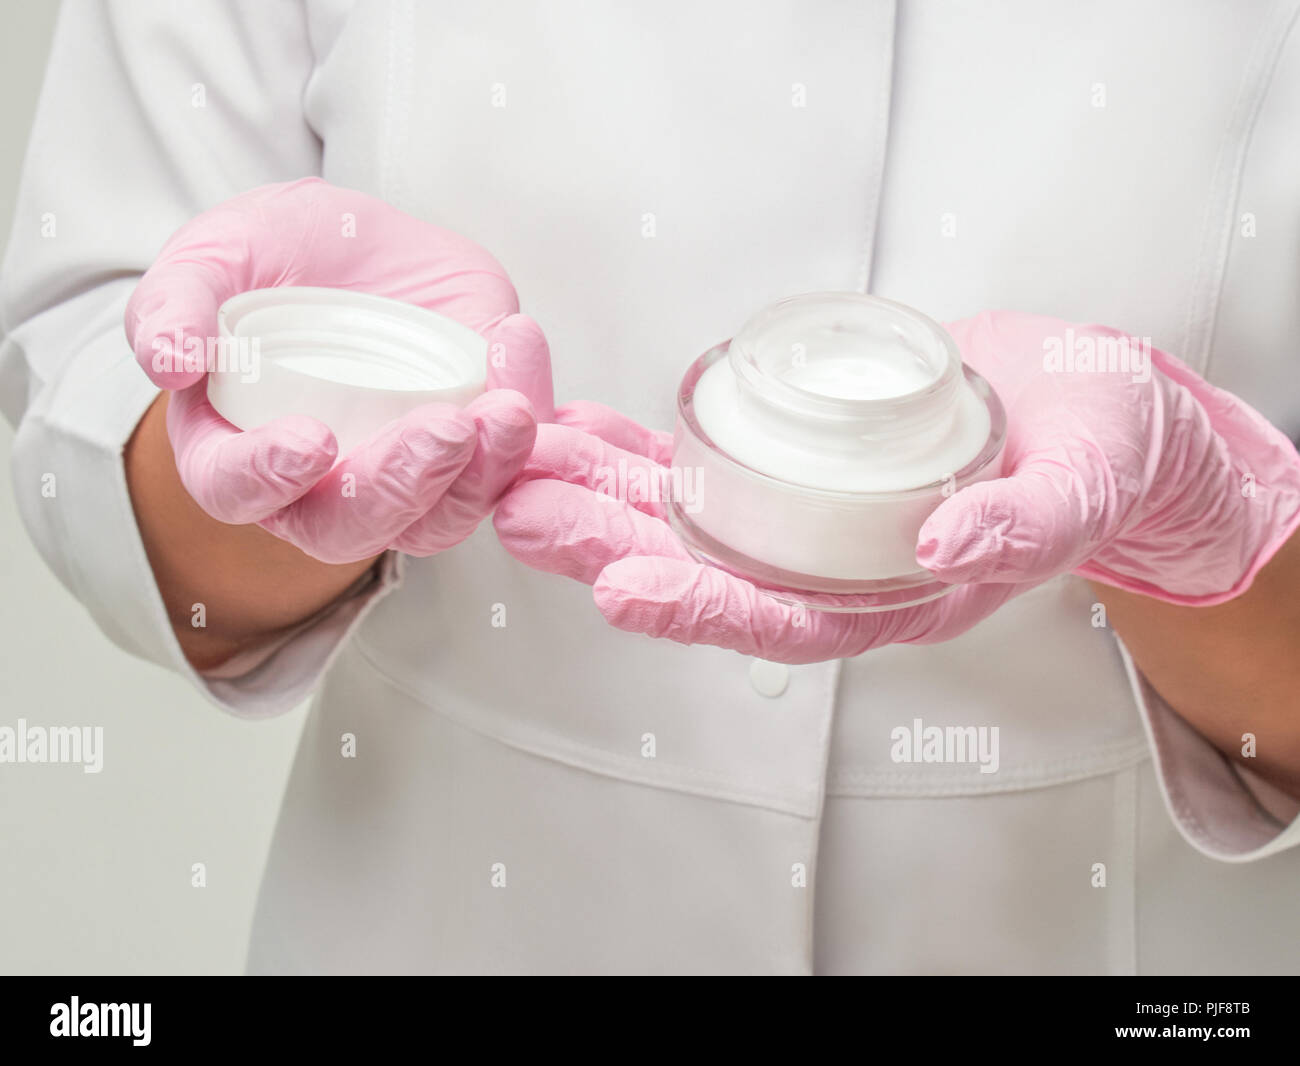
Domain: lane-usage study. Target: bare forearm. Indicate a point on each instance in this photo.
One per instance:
(1231, 669)
(251, 584)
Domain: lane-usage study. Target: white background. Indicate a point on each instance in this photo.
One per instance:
(95, 869)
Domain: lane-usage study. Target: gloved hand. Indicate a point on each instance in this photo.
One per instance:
(1167, 487)
(421, 484)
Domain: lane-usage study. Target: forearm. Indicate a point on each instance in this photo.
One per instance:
(251, 584)
(1231, 669)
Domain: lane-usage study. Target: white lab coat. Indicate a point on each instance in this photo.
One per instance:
(650, 178)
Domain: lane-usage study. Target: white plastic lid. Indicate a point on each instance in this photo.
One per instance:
(352, 360)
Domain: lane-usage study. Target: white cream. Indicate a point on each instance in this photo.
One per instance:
(824, 434)
(861, 375)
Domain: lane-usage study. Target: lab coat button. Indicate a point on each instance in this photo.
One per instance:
(769, 679)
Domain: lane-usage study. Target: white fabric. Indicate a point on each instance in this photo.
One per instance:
(649, 182)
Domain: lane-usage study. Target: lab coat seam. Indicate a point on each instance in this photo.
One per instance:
(81, 447)
(880, 142)
(16, 368)
(313, 65)
(1137, 869)
(826, 739)
(136, 581)
(1264, 812)
(1181, 809)
(386, 137)
(1124, 900)
(1225, 189)
(606, 763)
(395, 97)
(1100, 762)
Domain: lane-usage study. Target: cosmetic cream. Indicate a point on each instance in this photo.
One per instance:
(821, 437)
(352, 360)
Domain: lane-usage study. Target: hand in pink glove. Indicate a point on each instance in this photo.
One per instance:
(1164, 486)
(421, 484)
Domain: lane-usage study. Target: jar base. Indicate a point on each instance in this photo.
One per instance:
(831, 595)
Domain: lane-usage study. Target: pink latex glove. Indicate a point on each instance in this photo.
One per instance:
(421, 484)
(1168, 487)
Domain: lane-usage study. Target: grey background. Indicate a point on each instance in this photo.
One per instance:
(95, 869)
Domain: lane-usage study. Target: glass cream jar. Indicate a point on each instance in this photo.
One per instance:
(349, 359)
(819, 439)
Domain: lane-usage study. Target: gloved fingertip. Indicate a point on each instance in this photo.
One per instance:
(515, 330)
(436, 434)
(621, 599)
(515, 517)
(949, 540)
(679, 600)
(957, 570)
(601, 421)
(171, 322)
(165, 372)
(298, 443)
(519, 358)
(616, 428)
(246, 477)
(1006, 530)
(505, 420)
(174, 381)
(502, 398)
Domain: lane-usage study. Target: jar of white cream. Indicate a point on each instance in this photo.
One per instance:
(349, 359)
(819, 439)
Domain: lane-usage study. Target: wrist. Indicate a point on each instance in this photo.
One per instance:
(225, 587)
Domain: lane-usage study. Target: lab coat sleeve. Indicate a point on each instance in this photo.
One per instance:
(1224, 811)
(150, 113)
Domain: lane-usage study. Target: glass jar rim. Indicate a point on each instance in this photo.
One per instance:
(942, 354)
(990, 452)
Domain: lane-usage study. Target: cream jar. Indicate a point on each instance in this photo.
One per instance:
(819, 439)
(352, 360)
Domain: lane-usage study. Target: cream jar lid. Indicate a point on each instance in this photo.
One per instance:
(353, 360)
